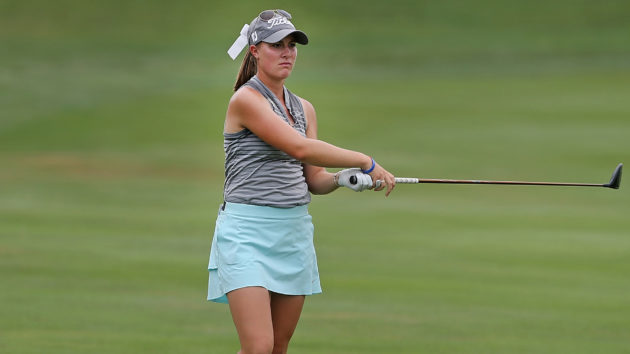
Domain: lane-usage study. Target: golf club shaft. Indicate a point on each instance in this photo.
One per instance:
(464, 181)
(614, 183)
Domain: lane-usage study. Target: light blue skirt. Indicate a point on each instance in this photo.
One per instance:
(263, 246)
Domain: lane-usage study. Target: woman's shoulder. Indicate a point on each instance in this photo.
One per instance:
(245, 92)
(308, 106)
(246, 95)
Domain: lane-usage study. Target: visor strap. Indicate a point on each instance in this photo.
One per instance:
(239, 43)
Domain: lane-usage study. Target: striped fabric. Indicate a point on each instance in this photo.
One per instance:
(257, 173)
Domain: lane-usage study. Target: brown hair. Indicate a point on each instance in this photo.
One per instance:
(247, 71)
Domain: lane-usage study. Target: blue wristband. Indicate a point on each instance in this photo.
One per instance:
(371, 168)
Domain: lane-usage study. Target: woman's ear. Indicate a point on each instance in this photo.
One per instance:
(254, 50)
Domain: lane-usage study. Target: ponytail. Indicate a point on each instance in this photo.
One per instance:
(247, 71)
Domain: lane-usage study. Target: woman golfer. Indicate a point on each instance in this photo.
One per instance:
(262, 259)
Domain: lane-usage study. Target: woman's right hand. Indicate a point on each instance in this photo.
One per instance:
(386, 179)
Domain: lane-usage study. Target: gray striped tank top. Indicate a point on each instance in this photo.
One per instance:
(257, 173)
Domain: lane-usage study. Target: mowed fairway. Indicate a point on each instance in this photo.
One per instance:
(111, 173)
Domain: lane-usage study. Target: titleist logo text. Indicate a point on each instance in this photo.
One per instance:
(278, 20)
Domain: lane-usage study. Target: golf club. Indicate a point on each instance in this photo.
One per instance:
(615, 180)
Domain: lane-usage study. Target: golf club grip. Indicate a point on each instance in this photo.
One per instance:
(406, 180)
(353, 180)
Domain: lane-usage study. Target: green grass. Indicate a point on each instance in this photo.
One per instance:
(112, 171)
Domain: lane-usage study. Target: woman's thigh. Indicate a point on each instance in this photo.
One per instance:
(285, 313)
(251, 312)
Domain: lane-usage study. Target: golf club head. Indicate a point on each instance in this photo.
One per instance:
(615, 180)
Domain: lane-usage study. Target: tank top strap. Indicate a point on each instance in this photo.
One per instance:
(293, 103)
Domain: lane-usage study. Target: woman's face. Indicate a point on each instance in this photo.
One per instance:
(276, 59)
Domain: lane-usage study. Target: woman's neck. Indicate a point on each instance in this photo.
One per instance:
(276, 86)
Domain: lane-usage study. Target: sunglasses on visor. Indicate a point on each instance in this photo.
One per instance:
(269, 14)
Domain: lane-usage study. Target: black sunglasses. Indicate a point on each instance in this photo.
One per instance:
(269, 14)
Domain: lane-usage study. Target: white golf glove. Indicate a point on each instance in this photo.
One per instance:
(364, 181)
